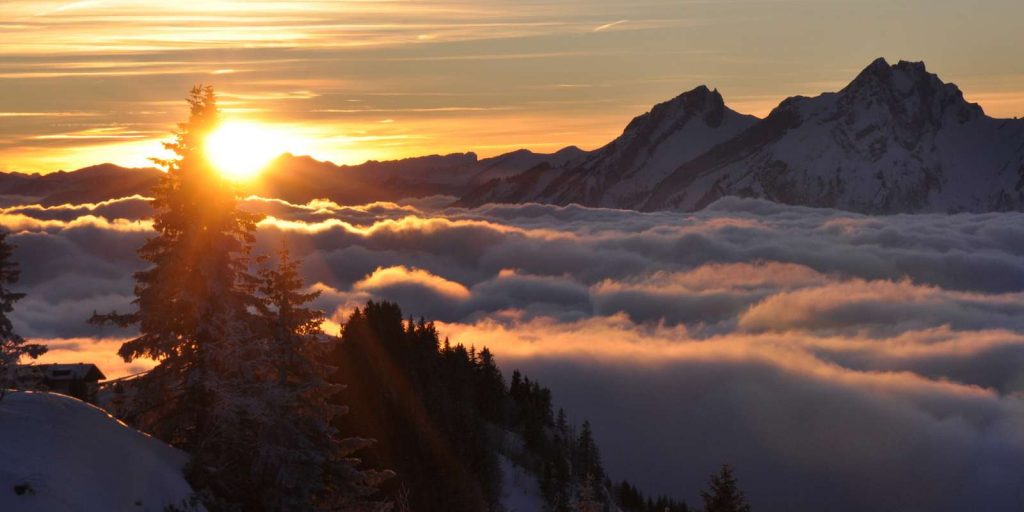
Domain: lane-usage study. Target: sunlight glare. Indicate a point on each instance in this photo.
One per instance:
(240, 150)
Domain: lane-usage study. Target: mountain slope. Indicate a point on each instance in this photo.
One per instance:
(301, 178)
(87, 185)
(625, 170)
(897, 139)
(59, 453)
(293, 178)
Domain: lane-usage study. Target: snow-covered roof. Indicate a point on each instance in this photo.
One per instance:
(76, 371)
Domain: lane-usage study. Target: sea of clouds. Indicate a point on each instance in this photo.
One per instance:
(837, 361)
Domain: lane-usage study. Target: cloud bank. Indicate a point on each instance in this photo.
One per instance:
(838, 361)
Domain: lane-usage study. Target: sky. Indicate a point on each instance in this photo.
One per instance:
(91, 81)
(872, 359)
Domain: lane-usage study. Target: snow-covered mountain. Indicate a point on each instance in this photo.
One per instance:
(623, 172)
(896, 139)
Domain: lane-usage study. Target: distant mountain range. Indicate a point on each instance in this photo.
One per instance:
(896, 139)
(294, 178)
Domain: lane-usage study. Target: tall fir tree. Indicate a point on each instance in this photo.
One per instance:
(299, 454)
(12, 346)
(723, 494)
(588, 498)
(588, 457)
(193, 306)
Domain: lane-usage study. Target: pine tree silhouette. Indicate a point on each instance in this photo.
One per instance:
(12, 346)
(236, 384)
(588, 457)
(193, 308)
(299, 455)
(723, 494)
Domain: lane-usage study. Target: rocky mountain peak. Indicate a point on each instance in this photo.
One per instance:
(901, 103)
(896, 139)
(902, 76)
(698, 102)
(907, 88)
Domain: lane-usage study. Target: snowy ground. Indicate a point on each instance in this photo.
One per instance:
(60, 454)
(521, 492)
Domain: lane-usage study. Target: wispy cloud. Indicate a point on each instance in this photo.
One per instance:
(607, 26)
(49, 114)
(69, 7)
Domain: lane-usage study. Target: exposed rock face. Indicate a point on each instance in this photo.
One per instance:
(896, 139)
(625, 171)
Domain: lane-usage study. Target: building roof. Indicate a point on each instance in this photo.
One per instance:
(77, 371)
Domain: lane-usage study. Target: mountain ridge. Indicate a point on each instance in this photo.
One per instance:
(290, 177)
(896, 139)
(613, 174)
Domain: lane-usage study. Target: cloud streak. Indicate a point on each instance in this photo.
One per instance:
(607, 26)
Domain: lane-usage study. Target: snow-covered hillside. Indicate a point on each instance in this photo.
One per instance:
(61, 454)
(520, 491)
(896, 139)
(626, 170)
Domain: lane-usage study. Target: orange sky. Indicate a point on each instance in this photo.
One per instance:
(84, 82)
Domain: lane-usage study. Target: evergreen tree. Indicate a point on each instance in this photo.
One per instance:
(588, 499)
(193, 312)
(630, 499)
(556, 484)
(12, 346)
(588, 458)
(723, 494)
(491, 389)
(422, 402)
(301, 461)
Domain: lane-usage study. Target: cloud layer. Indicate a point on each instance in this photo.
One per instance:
(838, 361)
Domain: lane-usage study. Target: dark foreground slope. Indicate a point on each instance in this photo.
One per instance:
(444, 417)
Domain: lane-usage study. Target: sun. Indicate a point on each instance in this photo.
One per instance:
(241, 150)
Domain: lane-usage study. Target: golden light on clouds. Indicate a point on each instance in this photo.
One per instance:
(91, 81)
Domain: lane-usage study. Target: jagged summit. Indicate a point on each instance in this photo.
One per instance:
(900, 75)
(700, 100)
(626, 169)
(909, 89)
(896, 139)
